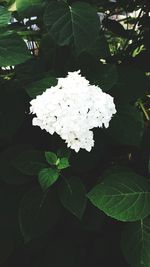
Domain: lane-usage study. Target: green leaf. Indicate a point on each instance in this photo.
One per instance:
(108, 77)
(116, 27)
(127, 126)
(132, 84)
(8, 173)
(4, 17)
(48, 177)
(13, 50)
(29, 7)
(104, 75)
(73, 195)
(123, 195)
(30, 162)
(51, 158)
(28, 72)
(77, 24)
(39, 87)
(63, 163)
(136, 243)
(38, 213)
(100, 49)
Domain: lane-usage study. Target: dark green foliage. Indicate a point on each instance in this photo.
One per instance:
(29, 162)
(13, 50)
(48, 177)
(73, 195)
(38, 87)
(5, 16)
(136, 242)
(9, 173)
(63, 163)
(127, 126)
(77, 25)
(58, 207)
(122, 195)
(38, 213)
(51, 158)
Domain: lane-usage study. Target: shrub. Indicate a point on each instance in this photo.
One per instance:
(58, 206)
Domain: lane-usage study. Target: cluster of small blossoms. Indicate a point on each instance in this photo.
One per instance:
(72, 109)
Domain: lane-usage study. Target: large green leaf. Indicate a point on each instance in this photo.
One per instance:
(30, 162)
(103, 75)
(38, 87)
(132, 84)
(48, 177)
(77, 24)
(72, 195)
(13, 50)
(38, 213)
(99, 49)
(123, 195)
(127, 126)
(108, 76)
(136, 243)
(29, 7)
(4, 17)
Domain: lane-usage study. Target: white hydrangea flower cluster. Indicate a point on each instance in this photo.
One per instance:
(71, 109)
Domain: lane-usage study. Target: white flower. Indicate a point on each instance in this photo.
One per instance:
(72, 109)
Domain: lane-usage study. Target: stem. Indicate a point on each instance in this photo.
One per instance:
(32, 42)
(144, 111)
